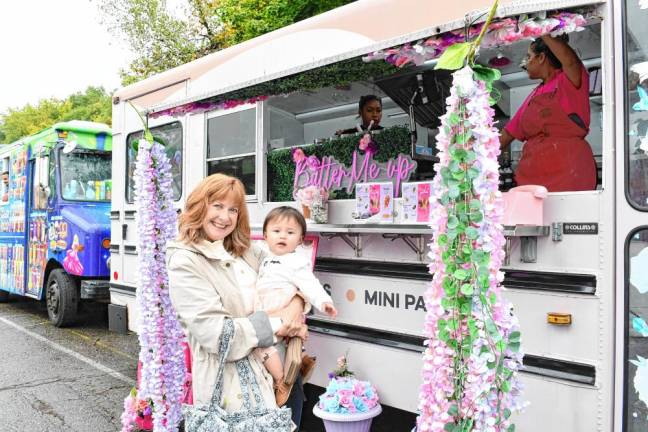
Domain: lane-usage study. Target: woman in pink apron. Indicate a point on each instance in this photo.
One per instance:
(553, 121)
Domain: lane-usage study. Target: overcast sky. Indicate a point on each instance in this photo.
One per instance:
(53, 48)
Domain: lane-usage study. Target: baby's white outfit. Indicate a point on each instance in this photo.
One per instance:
(280, 279)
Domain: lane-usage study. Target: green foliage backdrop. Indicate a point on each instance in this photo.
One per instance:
(93, 105)
(281, 169)
(164, 37)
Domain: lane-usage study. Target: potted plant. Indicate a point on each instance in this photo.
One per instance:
(348, 405)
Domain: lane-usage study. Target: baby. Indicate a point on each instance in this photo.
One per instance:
(281, 276)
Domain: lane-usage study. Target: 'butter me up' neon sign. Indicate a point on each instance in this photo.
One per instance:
(332, 175)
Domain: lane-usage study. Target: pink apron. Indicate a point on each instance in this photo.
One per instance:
(555, 154)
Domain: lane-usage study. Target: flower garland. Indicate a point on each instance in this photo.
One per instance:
(473, 355)
(203, 106)
(160, 334)
(500, 32)
(339, 74)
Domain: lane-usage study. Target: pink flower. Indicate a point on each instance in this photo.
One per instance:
(341, 361)
(313, 162)
(297, 155)
(367, 144)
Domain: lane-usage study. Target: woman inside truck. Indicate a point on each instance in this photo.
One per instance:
(554, 120)
(370, 113)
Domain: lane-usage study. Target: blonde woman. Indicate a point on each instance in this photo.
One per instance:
(212, 276)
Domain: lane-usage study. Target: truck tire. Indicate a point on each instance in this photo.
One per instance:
(4, 296)
(62, 298)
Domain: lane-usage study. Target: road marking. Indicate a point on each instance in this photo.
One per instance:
(76, 355)
(100, 344)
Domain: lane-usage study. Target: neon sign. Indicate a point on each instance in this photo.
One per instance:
(333, 175)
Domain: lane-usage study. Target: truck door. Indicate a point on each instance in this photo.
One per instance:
(37, 224)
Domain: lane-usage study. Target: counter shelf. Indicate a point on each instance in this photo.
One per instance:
(414, 236)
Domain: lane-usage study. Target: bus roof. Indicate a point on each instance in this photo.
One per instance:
(352, 30)
(88, 135)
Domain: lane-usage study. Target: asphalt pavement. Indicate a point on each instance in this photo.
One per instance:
(71, 379)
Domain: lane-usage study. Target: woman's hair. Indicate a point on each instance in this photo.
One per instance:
(214, 188)
(538, 46)
(364, 100)
(285, 212)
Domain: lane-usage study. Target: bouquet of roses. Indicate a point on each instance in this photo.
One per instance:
(345, 394)
(138, 413)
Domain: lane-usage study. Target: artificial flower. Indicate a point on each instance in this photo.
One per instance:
(298, 154)
(163, 366)
(500, 33)
(473, 383)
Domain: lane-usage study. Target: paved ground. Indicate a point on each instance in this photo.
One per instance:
(52, 379)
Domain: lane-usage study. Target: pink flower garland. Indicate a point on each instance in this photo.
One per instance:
(160, 335)
(200, 107)
(501, 32)
(474, 387)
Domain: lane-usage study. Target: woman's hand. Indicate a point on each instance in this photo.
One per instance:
(571, 64)
(292, 329)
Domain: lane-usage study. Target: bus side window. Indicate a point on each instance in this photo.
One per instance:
(637, 109)
(4, 186)
(40, 183)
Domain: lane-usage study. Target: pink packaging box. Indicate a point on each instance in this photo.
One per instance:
(524, 205)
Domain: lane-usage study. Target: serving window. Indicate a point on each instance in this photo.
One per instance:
(325, 122)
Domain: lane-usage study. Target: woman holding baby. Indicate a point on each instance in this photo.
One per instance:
(213, 269)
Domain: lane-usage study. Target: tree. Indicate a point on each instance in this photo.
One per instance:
(247, 19)
(93, 105)
(165, 38)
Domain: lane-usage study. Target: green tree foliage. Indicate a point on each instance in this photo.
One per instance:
(246, 19)
(164, 38)
(94, 104)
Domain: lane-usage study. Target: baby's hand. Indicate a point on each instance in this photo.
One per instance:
(329, 309)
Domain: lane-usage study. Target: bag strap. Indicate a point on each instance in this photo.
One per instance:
(248, 382)
(247, 379)
(225, 338)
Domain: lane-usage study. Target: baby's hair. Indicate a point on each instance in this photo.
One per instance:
(285, 212)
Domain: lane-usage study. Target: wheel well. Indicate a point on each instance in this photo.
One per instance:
(52, 264)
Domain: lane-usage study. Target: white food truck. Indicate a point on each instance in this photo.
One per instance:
(578, 281)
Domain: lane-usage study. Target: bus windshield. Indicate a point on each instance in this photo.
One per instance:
(86, 175)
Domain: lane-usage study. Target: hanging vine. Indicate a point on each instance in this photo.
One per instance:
(472, 358)
(160, 335)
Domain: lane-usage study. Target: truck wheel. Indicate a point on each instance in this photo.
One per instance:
(4, 296)
(62, 298)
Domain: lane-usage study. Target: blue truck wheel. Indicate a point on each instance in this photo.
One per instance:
(4, 296)
(62, 298)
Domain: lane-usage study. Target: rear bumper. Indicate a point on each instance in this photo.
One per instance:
(95, 289)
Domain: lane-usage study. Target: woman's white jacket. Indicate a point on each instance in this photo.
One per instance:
(204, 291)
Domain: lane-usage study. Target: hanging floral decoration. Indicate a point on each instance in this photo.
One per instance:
(472, 358)
(160, 335)
(203, 106)
(339, 75)
(499, 33)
